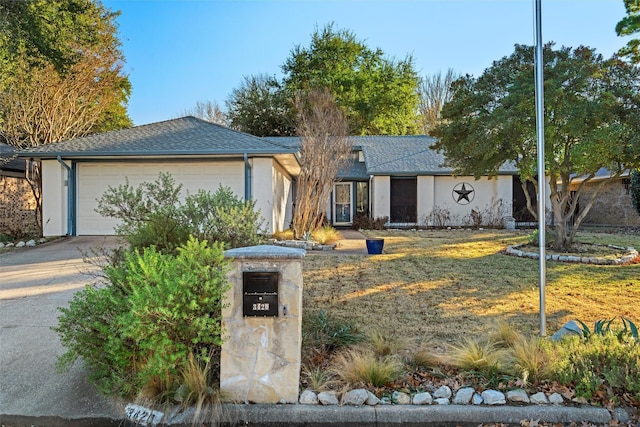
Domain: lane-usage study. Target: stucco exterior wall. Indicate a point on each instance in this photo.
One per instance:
(381, 204)
(491, 199)
(54, 199)
(272, 192)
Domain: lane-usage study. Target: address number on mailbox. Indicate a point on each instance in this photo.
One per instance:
(260, 293)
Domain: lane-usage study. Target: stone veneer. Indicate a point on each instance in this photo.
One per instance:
(260, 360)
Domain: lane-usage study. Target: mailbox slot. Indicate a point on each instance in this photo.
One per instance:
(260, 293)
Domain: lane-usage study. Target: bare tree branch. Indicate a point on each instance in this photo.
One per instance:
(325, 150)
(435, 91)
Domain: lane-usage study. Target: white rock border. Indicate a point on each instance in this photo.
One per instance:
(463, 396)
(631, 253)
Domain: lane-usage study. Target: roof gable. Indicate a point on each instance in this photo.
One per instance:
(185, 136)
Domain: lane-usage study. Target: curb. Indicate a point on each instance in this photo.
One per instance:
(337, 416)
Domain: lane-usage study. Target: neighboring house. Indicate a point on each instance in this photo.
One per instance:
(198, 154)
(612, 205)
(401, 178)
(17, 203)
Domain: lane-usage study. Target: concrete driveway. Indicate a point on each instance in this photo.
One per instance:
(34, 282)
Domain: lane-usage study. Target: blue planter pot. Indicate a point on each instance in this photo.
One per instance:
(374, 246)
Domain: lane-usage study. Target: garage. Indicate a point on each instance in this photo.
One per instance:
(93, 179)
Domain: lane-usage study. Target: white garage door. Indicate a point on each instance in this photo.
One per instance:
(95, 178)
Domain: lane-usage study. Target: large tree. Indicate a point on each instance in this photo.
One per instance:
(260, 107)
(592, 121)
(630, 25)
(60, 74)
(378, 95)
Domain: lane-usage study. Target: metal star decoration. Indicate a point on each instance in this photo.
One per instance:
(463, 193)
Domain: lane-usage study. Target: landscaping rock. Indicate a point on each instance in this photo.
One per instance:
(539, 398)
(372, 400)
(518, 395)
(477, 399)
(42, 240)
(20, 244)
(441, 401)
(9, 245)
(569, 328)
(423, 399)
(385, 401)
(308, 397)
(328, 398)
(463, 396)
(493, 397)
(31, 243)
(355, 397)
(1, 245)
(556, 399)
(400, 398)
(443, 391)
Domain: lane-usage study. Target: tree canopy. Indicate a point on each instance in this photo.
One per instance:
(60, 71)
(592, 121)
(259, 107)
(378, 95)
(630, 25)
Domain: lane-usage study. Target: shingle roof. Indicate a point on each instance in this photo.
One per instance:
(184, 136)
(393, 155)
(8, 162)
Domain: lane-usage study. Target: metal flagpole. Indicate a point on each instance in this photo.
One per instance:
(542, 187)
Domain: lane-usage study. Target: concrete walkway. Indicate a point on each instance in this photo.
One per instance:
(34, 282)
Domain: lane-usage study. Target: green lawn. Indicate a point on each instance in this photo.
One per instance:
(443, 285)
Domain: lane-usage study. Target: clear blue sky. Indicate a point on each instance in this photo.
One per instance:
(181, 52)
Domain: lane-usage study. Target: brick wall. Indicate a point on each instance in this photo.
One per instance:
(612, 206)
(17, 207)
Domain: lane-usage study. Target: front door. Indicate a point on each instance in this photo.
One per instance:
(342, 203)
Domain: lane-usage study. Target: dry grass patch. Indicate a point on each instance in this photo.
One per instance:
(448, 284)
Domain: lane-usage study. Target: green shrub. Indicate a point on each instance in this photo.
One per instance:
(140, 329)
(601, 364)
(152, 215)
(223, 217)
(87, 329)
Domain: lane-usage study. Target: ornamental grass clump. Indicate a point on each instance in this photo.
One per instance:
(483, 358)
(363, 366)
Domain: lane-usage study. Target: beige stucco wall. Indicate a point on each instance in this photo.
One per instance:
(381, 203)
(272, 192)
(54, 198)
(492, 198)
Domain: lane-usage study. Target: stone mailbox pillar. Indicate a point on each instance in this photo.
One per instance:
(260, 360)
